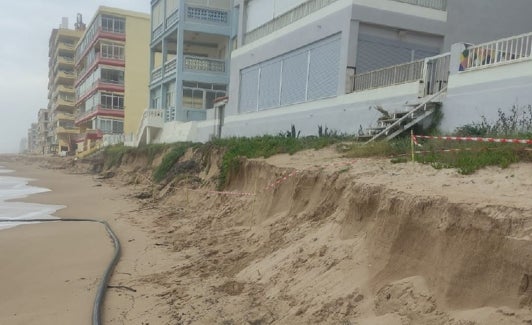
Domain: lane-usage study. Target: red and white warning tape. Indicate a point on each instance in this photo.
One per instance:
(475, 139)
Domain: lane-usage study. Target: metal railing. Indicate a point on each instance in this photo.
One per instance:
(433, 4)
(203, 64)
(172, 18)
(312, 6)
(506, 50)
(286, 19)
(157, 73)
(394, 75)
(170, 66)
(157, 31)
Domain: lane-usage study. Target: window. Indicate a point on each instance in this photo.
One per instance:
(201, 95)
(113, 76)
(110, 126)
(113, 24)
(112, 51)
(112, 101)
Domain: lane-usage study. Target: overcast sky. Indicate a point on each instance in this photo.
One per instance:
(25, 27)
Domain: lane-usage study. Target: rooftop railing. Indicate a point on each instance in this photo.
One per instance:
(503, 51)
(286, 19)
(433, 4)
(312, 6)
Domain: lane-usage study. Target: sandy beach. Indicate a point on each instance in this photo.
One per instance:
(49, 271)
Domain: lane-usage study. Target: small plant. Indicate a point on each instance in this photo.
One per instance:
(517, 122)
(326, 132)
(290, 133)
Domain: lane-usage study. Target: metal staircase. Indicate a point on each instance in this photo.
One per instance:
(392, 125)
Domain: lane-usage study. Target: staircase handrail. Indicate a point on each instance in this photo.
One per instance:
(417, 108)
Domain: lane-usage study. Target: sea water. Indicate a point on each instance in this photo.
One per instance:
(16, 188)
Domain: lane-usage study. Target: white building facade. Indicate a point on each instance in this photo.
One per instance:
(310, 62)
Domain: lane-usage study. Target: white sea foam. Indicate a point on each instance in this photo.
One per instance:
(15, 188)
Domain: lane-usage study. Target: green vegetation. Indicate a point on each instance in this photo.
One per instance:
(151, 151)
(383, 149)
(113, 155)
(466, 157)
(265, 146)
(175, 152)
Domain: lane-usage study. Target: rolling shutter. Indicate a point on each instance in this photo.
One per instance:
(270, 78)
(249, 79)
(376, 53)
(294, 79)
(323, 72)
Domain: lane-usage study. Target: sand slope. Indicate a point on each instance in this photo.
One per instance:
(336, 242)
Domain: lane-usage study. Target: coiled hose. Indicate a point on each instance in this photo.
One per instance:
(102, 287)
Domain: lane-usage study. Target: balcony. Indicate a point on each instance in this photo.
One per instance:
(60, 130)
(207, 15)
(312, 6)
(99, 84)
(85, 46)
(63, 103)
(156, 74)
(99, 59)
(433, 4)
(64, 61)
(98, 110)
(194, 63)
(170, 66)
(63, 47)
(61, 89)
(61, 116)
(63, 76)
(172, 19)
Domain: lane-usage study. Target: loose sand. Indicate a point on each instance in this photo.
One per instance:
(337, 242)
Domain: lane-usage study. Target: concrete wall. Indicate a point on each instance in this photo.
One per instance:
(473, 94)
(137, 74)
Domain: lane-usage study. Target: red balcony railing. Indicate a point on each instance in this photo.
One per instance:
(100, 85)
(98, 110)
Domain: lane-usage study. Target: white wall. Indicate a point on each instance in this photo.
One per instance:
(473, 94)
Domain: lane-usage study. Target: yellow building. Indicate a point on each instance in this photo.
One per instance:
(61, 94)
(111, 62)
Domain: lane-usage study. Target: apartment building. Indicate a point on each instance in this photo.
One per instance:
(43, 140)
(61, 94)
(33, 135)
(296, 61)
(190, 51)
(111, 63)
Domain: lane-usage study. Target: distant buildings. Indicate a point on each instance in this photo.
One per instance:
(33, 138)
(111, 65)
